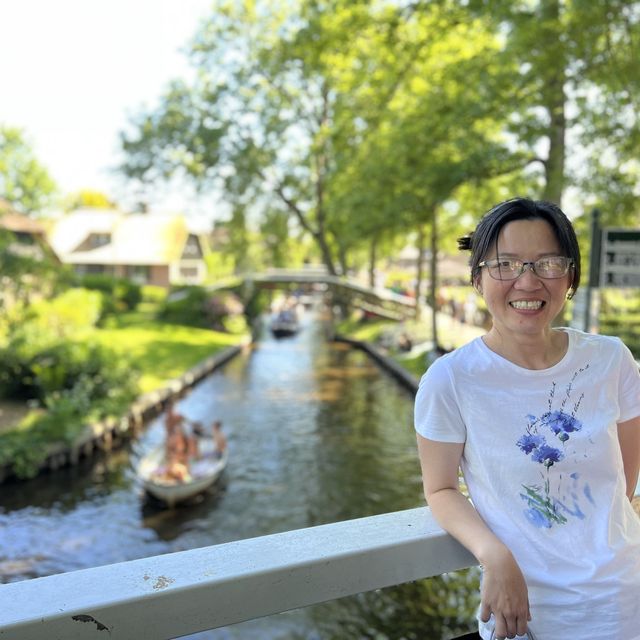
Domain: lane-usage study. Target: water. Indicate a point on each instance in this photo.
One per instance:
(317, 433)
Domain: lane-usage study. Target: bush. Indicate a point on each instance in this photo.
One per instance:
(153, 293)
(59, 367)
(196, 307)
(32, 329)
(625, 326)
(75, 385)
(72, 311)
(120, 294)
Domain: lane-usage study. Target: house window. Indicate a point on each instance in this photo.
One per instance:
(139, 273)
(189, 273)
(99, 240)
(192, 248)
(24, 238)
(86, 269)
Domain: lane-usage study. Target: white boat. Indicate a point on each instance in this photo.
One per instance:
(284, 324)
(203, 472)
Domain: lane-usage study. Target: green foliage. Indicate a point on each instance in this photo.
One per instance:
(436, 608)
(620, 316)
(154, 294)
(24, 182)
(74, 310)
(88, 198)
(32, 329)
(196, 307)
(219, 265)
(28, 271)
(257, 304)
(120, 294)
(32, 374)
(355, 124)
(75, 384)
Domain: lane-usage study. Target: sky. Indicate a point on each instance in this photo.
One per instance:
(74, 71)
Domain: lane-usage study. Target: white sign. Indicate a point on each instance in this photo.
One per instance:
(620, 258)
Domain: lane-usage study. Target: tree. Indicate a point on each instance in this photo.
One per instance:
(88, 198)
(285, 103)
(28, 267)
(364, 121)
(24, 182)
(576, 96)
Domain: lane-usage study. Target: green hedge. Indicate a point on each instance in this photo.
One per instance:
(196, 307)
(624, 325)
(70, 386)
(120, 294)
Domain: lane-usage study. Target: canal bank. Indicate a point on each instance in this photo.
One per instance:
(106, 435)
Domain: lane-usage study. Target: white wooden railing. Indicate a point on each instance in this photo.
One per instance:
(189, 591)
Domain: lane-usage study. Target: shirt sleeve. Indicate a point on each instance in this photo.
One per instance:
(629, 387)
(437, 413)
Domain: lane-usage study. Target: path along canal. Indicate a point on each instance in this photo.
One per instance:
(317, 433)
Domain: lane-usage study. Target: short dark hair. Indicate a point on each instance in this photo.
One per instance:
(486, 233)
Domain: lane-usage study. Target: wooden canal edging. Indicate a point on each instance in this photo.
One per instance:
(407, 380)
(108, 434)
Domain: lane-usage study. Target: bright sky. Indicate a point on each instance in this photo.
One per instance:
(73, 70)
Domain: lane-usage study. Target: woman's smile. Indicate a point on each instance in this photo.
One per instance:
(527, 305)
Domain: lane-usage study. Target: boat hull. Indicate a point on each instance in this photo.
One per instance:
(203, 473)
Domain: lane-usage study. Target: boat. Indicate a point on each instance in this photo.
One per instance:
(284, 324)
(203, 473)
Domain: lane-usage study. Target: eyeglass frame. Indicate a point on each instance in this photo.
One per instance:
(524, 265)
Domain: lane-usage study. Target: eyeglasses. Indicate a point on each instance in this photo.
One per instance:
(512, 268)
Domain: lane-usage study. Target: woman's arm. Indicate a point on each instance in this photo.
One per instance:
(504, 591)
(629, 438)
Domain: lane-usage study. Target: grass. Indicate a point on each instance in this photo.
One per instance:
(158, 350)
(451, 334)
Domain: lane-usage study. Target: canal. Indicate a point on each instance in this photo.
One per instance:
(317, 433)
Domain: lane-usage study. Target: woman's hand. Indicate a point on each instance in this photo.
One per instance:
(504, 593)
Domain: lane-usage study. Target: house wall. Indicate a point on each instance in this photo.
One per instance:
(160, 275)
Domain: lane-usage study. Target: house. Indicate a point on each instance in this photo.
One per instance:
(27, 236)
(156, 249)
(27, 260)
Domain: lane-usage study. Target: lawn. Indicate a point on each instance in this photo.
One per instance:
(161, 351)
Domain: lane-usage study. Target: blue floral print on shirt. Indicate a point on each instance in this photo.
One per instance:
(544, 442)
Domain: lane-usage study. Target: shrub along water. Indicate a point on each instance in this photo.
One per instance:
(72, 373)
(68, 383)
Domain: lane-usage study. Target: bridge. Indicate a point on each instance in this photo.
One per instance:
(186, 592)
(378, 301)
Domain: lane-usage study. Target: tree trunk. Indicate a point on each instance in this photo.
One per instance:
(555, 100)
(419, 271)
(327, 259)
(373, 250)
(433, 288)
(554, 166)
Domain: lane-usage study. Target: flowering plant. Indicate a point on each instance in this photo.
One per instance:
(557, 425)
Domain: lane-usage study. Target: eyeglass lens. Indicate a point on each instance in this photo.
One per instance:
(507, 269)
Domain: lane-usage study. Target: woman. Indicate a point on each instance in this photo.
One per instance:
(545, 424)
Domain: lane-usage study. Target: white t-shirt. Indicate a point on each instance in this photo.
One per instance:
(543, 467)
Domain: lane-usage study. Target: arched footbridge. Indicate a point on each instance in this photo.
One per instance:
(343, 290)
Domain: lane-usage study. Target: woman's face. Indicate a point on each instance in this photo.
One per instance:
(528, 304)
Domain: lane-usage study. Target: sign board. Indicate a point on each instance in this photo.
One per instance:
(620, 258)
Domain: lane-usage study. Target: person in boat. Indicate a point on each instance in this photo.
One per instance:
(177, 446)
(545, 423)
(197, 432)
(219, 439)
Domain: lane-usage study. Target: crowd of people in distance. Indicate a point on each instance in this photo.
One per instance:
(182, 447)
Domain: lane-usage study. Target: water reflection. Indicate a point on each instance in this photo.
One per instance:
(317, 433)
